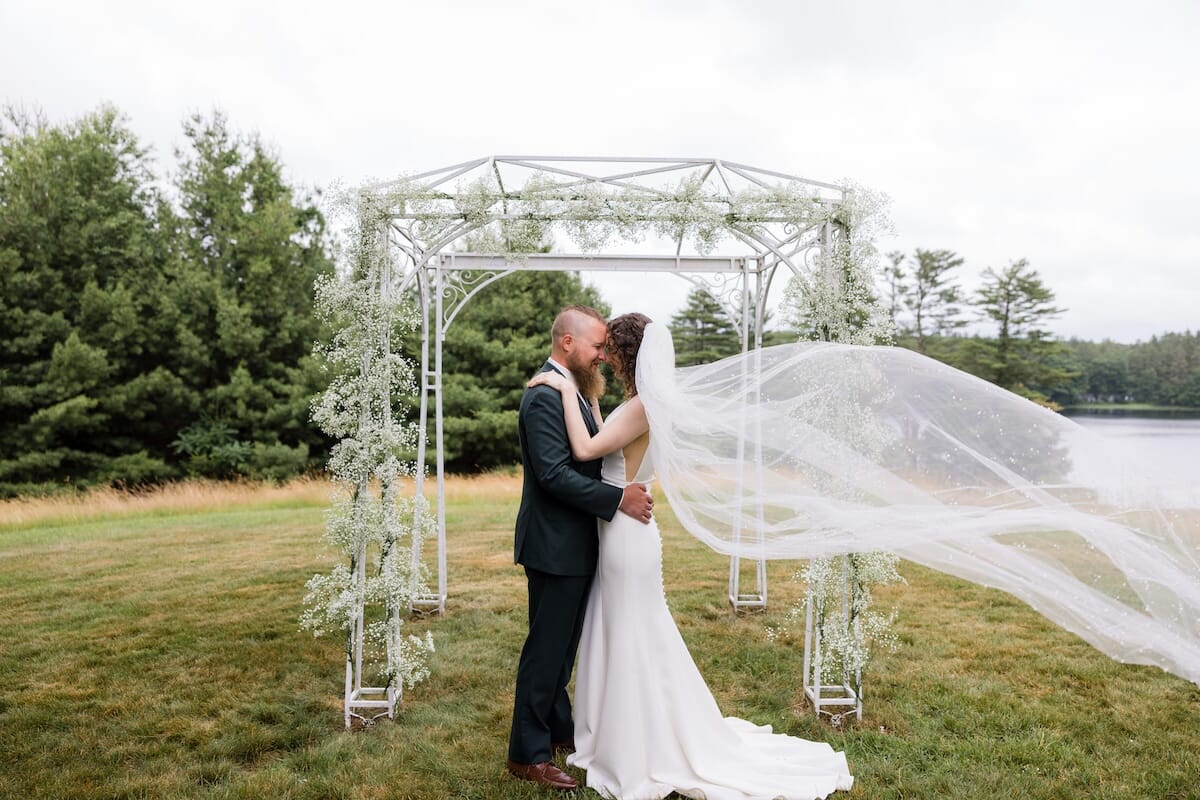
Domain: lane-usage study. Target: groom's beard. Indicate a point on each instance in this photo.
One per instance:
(589, 380)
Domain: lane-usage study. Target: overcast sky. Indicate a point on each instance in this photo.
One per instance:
(1062, 132)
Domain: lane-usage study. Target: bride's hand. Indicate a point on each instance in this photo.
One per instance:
(550, 378)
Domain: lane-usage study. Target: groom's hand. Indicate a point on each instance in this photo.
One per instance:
(637, 502)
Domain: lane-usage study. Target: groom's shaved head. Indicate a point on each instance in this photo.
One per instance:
(579, 337)
(574, 320)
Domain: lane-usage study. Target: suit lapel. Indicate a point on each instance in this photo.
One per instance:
(587, 417)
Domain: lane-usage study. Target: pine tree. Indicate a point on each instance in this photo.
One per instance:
(255, 246)
(703, 330)
(931, 297)
(1023, 357)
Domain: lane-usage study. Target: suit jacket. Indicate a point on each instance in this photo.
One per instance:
(561, 498)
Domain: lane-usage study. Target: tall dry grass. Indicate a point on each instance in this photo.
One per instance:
(191, 496)
(200, 496)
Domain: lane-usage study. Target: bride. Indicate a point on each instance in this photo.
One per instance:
(646, 724)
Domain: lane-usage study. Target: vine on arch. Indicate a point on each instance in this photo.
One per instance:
(370, 523)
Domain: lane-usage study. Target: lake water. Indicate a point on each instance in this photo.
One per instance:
(1170, 442)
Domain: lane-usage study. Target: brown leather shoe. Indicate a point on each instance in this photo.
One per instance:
(567, 746)
(545, 774)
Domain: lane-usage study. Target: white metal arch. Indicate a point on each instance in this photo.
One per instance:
(422, 235)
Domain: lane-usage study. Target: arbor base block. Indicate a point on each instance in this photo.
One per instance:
(429, 602)
(748, 602)
(361, 701)
(840, 695)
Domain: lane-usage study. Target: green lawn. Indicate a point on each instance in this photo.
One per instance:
(157, 655)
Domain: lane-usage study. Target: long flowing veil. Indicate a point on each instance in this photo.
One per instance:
(814, 449)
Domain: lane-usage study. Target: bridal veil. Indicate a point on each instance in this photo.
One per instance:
(814, 449)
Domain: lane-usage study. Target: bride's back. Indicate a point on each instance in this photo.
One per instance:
(631, 464)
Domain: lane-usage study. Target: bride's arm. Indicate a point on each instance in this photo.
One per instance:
(631, 423)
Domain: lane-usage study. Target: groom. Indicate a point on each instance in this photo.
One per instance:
(557, 544)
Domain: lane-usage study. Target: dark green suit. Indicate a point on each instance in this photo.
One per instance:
(556, 542)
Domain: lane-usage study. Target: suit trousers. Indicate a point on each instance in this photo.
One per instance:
(542, 707)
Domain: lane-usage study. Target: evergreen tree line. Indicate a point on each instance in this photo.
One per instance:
(159, 325)
(153, 325)
(1163, 371)
(930, 309)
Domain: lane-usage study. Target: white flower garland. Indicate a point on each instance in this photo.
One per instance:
(838, 301)
(369, 519)
(595, 213)
(840, 591)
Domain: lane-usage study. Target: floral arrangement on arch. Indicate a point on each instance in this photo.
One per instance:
(372, 522)
(841, 304)
(594, 214)
(849, 630)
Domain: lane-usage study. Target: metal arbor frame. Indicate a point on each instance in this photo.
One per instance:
(426, 214)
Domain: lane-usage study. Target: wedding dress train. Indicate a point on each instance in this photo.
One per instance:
(646, 723)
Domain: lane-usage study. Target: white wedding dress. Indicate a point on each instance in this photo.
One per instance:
(646, 724)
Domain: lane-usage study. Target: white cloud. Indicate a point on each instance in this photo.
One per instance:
(1062, 132)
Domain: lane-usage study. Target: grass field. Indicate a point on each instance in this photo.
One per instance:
(149, 649)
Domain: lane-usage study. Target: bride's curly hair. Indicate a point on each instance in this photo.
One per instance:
(624, 341)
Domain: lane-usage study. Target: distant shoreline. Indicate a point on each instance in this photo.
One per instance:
(1130, 408)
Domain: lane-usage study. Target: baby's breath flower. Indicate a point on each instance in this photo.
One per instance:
(369, 519)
